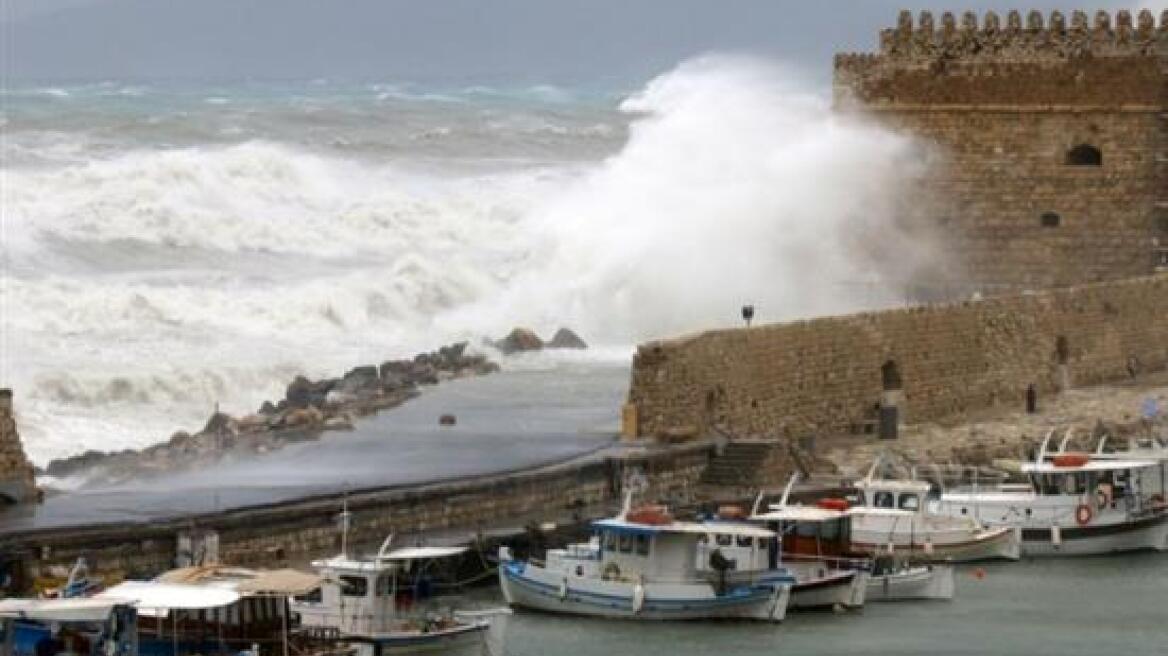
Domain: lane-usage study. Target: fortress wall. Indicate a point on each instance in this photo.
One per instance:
(825, 375)
(1000, 105)
(17, 482)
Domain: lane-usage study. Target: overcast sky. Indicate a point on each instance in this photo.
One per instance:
(520, 41)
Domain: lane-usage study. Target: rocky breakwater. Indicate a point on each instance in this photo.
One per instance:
(308, 409)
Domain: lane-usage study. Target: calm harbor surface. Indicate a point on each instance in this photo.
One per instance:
(1063, 607)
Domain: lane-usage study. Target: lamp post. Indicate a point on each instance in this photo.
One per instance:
(747, 314)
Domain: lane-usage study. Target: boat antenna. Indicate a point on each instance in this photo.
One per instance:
(872, 469)
(381, 551)
(627, 505)
(787, 490)
(1102, 442)
(1066, 438)
(757, 502)
(346, 519)
(1042, 449)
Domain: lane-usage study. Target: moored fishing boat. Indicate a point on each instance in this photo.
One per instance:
(899, 516)
(1073, 504)
(640, 565)
(894, 579)
(374, 606)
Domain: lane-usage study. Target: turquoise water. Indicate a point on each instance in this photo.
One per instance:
(1088, 606)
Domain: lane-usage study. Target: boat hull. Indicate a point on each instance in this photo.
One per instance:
(1000, 543)
(917, 583)
(840, 590)
(467, 640)
(1146, 534)
(531, 587)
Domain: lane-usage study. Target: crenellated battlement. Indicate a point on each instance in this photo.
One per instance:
(1037, 37)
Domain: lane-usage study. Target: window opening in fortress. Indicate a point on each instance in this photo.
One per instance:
(1085, 155)
(1062, 349)
(1051, 220)
(890, 376)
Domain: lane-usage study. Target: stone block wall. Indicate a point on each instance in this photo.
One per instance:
(293, 533)
(1002, 106)
(827, 375)
(17, 482)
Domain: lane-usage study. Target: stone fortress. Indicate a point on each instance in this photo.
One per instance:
(1047, 187)
(1049, 139)
(16, 473)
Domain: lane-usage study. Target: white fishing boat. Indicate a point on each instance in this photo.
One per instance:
(896, 579)
(900, 516)
(1074, 504)
(373, 605)
(817, 580)
(29, 627)
(640, 565)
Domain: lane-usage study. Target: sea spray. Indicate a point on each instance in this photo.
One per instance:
(145, 285)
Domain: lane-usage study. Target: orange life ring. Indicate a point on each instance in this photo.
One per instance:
(1071, 459)
(1083, 514)
(833, 504)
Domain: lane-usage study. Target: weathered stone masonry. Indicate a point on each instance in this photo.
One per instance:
(1050, 140)
(17, 482)
(826, 375)
(292, 533)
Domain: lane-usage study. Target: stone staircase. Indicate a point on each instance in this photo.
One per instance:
(749, 465)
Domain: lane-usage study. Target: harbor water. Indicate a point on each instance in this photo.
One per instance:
(1055, 607)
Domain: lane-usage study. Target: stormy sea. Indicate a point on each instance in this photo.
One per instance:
(173, 247)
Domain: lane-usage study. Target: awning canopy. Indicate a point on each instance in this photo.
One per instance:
(247, 582)
(60, 610)
(158, 599)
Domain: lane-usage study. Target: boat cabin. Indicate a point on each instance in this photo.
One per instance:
(908, 495)
(1113, 483)
(662, 552)
(369, 597)
(808, 531)
(39, 627)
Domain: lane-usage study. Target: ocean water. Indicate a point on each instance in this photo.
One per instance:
(167, 248)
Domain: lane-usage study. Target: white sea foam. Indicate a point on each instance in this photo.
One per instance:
(144, 286)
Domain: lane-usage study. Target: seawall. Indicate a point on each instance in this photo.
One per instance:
(293, 533)
(827, 375)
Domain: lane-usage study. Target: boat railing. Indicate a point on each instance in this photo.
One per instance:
(831, 562)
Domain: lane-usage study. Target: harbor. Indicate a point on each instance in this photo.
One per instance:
(510, 351)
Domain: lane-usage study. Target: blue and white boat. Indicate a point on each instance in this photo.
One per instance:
(641, 565)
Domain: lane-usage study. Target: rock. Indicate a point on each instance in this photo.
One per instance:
(447, 420)
(303, 417)
(565, 338)
(299, 393)
(395, 368)
(267, 408)
(520, 339)
(339, 422)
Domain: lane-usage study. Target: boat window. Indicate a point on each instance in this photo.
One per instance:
(643, 545)
(354, 586)
(807, 530)
(626, 543)
(723, 540)
(861, 500)
(745, 541)
(830, 530)
(1071, 484)
(910, 501)
(313, 596)
(884, 500)
(609, 541)
(385, 586)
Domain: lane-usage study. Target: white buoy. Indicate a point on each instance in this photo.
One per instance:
(1056, 535)
(564, 589)
(928, 547)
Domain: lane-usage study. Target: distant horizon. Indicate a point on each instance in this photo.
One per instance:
(567, 43)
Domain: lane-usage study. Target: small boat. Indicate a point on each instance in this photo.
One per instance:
(894, 579)
(641, 565)
(899, 516)
(1074, 504)
(373, 606)
(79, 625)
